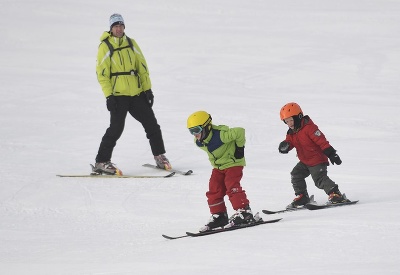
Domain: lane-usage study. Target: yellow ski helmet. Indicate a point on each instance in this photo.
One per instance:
(199, 118)
(199, 121)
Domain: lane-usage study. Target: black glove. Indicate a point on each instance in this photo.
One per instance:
(239, 152)
(284, 147)
(111, 104)
(149, 97)
(333, 157)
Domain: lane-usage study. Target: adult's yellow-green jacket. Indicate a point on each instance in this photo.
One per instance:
(131, 63)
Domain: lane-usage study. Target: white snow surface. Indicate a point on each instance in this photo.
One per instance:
(241, 61)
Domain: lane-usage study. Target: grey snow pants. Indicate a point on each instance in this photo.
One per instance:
(319, 174)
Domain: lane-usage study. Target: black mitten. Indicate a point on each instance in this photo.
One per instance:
(239, 152)
(333, 157)
(111, 104)
(284, 147)
(150, 97)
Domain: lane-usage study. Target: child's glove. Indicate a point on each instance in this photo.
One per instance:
(284, 147)
(239, 152)
(333, 157)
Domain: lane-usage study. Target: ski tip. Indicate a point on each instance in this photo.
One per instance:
(189, 172)
(273, 221)
(170, 175)
(168, 237)
(174, 238)
(268, 212)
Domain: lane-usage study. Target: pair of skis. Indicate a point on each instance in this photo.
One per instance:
(221, 230)
(171, 173)
(312, 205)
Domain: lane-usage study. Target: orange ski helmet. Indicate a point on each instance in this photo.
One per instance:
(291, 109)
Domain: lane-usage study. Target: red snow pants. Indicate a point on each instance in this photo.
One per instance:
(226, 182)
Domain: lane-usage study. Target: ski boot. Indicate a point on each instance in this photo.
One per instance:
(162, 162)
(336, 197)
(300, 200)
(107, 168)
(217, 220)
(242, 216)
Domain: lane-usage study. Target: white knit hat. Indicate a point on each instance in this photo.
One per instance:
(116, 19)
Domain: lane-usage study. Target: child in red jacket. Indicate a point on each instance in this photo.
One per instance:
(313, 151)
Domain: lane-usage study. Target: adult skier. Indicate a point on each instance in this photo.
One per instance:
(124, 78)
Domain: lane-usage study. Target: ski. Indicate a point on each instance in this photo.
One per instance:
(215, 231)
(259, 221)
(116, 176)
(269, 212)
(185, 173)
(329, 205)
(220, 230)
(174, 238)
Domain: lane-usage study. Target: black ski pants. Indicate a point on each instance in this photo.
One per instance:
(138, 108)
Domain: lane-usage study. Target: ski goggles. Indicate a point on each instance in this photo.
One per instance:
(196, 130)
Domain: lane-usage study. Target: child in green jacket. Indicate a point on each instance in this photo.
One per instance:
(225, 149)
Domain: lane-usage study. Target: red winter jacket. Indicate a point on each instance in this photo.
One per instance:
(309, 142)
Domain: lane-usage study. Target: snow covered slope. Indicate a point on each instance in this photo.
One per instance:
(239, 61)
